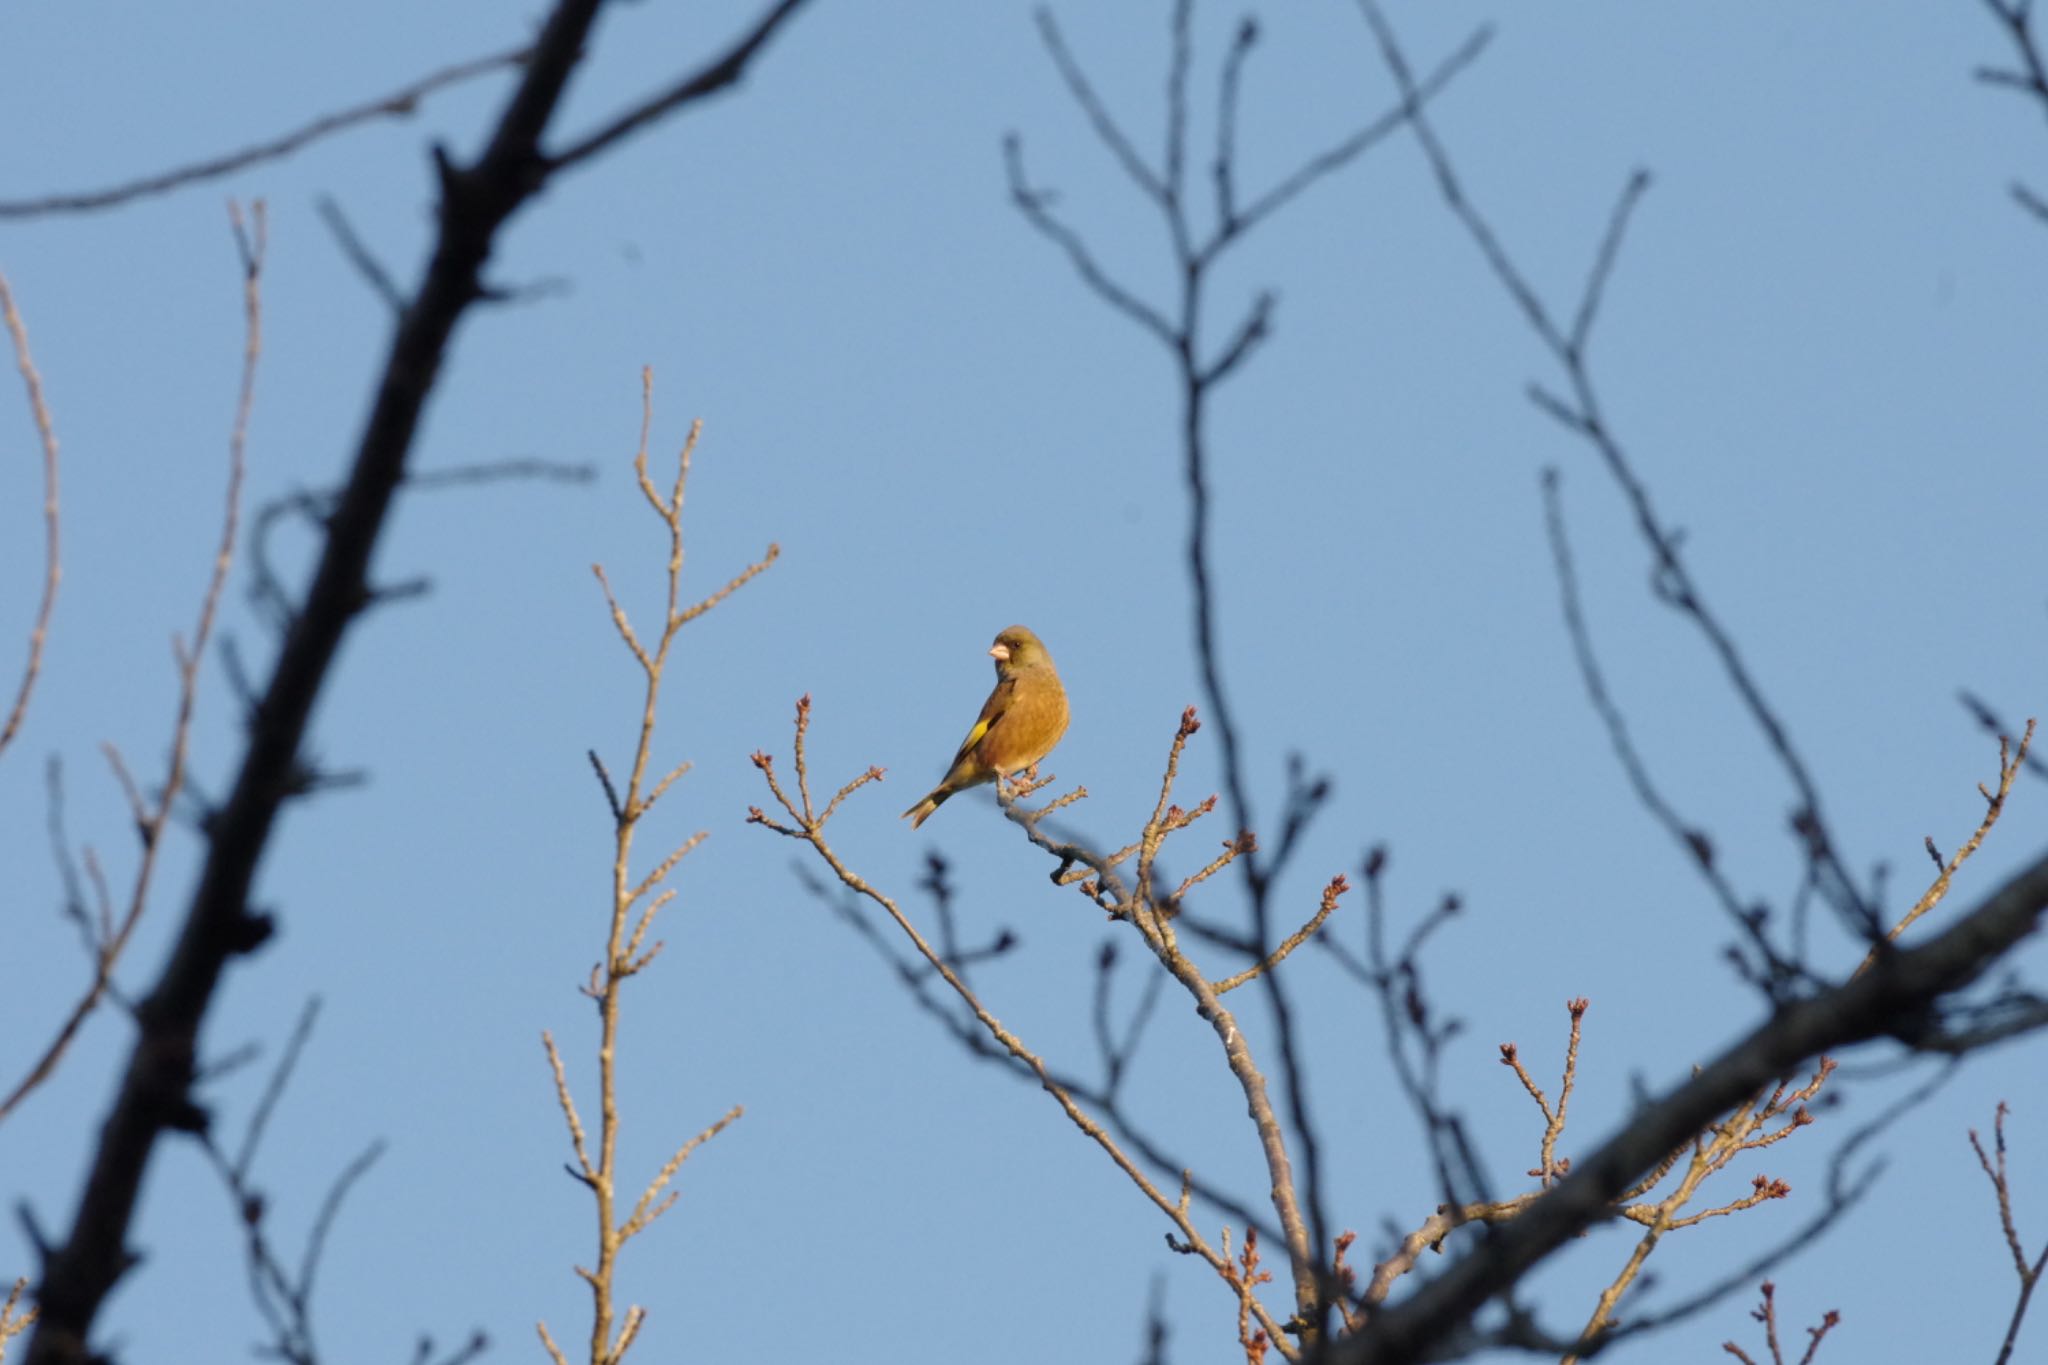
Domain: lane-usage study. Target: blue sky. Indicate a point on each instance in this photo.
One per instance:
(1823, 347)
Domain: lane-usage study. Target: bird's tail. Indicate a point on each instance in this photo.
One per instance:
(922, 811)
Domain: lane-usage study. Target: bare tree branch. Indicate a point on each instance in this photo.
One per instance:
(2029, 1271)
(1581, 413)
(476, 202)
(596, 1163)
(1767, 1314)
(53, 561)
(1893, 999)
(1182, 333)
(152, 817)
(1127, 903)
(398, 104)
(14, 1319)
(709, 79)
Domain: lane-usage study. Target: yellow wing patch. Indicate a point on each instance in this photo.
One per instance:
(973, 736)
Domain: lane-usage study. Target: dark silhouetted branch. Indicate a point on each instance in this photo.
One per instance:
(1581, 413)
(476, 200)
(1893, 999)
(399, 104)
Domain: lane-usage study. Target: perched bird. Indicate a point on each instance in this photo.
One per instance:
(1019, 723)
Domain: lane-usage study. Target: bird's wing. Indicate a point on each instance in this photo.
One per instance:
(991, 712)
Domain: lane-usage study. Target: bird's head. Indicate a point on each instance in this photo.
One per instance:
(1017, 648)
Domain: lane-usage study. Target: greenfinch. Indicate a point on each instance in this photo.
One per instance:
(1019, 723)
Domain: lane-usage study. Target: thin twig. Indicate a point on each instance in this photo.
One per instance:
(1195, 251)
(596, 1164)
(2010, 762)
(398, 104)
(805, 826)
(725, 70)
(1698, 846)
(1903, 986)
(14, 1319)
(2029, 1272)
(358, 254)
(1582, 414)
(1336, 888)
(153, 817)
(53, 561)
(477, 200)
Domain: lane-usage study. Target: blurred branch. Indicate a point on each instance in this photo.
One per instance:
(109, 939)
(314, 507)
(285, 1300)
(476, 201)
(398, 104)
(359, 255)
(1895, 998)
(2030, 78)
(472, 1349)
(53, 563)
(1844, 1191)
(282, 1296)
(1899, 996)
(708, 80)
(1417, 1038)
(1992, 724)
(626, 950)
(1196, 251)
(1760, 1120)
(1778, 970)
(2029, 1271)
(1582, 414)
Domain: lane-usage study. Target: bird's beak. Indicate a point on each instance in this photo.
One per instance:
(1000, 653)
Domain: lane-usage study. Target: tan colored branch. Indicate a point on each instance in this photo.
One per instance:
(808, 827)
(53, 561)
(644, 1211)
(1762, 1120)
(1155, 925)
(568, 1103)
(623, 955)
(2010, 762)
(666, 865)
(1748, 1129)
(1430, 1237)
(152, 818)
(1767, 1314)
(476, 200)
(1548, 1168)
(1244, 1277)
(14, 1319)
(1336, 888)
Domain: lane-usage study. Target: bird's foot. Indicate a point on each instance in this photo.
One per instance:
(1025, 783)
